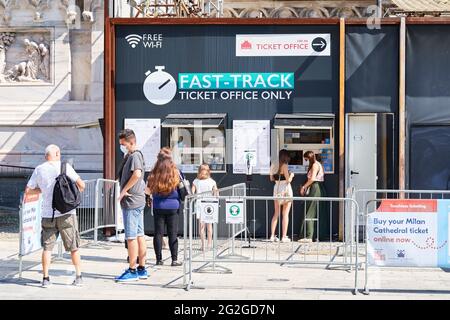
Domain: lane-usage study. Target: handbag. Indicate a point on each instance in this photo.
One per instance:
(282, 193)
(184, 187)
(148, 200)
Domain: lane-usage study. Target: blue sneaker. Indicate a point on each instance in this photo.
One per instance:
(127, 276)
(142, 274)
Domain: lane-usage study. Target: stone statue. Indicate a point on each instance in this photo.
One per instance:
(34, 59)
(6, 39)
(44, 67)
(37, 66)
(2, 60)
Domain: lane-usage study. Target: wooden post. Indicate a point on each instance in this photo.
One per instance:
(341, 124)
(108, 100)
(402, 108)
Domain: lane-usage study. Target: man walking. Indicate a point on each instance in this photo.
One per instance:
(132, 201)
(43, 182)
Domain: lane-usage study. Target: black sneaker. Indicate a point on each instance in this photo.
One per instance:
(159, 262)
(176, 264)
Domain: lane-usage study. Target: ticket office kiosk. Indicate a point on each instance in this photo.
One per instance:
(299, 133)
(196, 139)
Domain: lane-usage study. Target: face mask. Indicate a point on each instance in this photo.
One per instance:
(123, 149)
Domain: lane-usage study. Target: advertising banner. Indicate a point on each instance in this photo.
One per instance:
(186, 74)
(409, 232)
(30, 224)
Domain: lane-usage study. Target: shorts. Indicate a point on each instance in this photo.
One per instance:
(66, 226)
(133, 221)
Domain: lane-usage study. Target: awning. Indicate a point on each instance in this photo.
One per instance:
(423, 5)
(204, 120)
(303, 121)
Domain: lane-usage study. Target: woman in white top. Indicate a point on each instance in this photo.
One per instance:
(282, 177)
(313, 187)
(204, 184)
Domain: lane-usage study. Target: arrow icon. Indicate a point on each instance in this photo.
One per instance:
(319, 44)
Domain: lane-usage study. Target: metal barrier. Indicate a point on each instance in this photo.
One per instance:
(99, 209)
(372, 198)
(223, 235)
(234, 248)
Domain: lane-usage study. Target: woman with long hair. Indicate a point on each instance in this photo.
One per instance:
(313, 187)
(163, 184)
(280, 174)
(205, 184)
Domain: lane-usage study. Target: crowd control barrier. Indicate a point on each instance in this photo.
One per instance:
(232, 211)
(99, 209)
(404, 228)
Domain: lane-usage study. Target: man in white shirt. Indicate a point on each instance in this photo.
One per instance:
(42, 182)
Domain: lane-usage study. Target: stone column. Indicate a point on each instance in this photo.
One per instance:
(94, 13)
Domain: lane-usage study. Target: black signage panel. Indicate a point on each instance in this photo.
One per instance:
(248, 72)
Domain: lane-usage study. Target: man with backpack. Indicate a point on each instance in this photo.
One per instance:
(132, 202)
(60, 187)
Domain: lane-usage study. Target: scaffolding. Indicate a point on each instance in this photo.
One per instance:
(177, 8)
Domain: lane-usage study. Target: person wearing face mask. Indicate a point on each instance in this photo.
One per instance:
(313, 187)
(132, 202)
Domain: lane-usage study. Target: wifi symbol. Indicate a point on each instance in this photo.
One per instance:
(133, 40)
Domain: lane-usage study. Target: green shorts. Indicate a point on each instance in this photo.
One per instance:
(66, 226)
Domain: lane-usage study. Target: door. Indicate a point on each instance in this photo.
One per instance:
(361, 169)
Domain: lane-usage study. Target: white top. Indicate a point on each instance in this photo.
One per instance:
(320, 175)
(43, 177)
(204, 185)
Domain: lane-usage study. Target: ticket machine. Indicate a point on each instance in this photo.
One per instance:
(299, 133)
(197, 139)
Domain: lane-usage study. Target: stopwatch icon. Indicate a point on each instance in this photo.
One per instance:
(159, 86)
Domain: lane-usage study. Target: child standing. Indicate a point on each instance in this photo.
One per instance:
(202, 184)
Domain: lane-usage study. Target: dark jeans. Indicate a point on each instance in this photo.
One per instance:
(164, 217)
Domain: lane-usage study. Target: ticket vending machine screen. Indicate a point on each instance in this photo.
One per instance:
(296, 157)
(296, 164)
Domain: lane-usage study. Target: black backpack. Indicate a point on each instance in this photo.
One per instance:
(66, 195)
